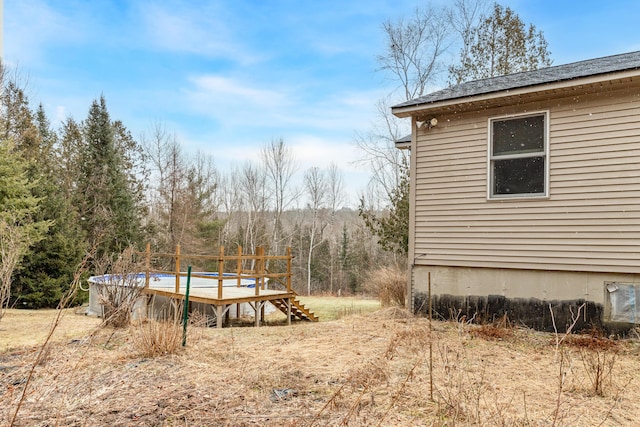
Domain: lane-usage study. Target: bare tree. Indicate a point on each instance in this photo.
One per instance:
(335, 195)
(230, 201)
(316, 186)
(464, 15)
(280, 167)
(414, 49)
(168, 167)
(183, 191)
(380, 155)
(412, 58)
(254, 205)
(335, 187)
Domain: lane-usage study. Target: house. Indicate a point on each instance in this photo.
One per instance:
(525, 196)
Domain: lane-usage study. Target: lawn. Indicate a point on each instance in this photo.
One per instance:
(332, 308)
(20, 328)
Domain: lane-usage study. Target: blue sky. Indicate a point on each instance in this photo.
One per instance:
(228, 76)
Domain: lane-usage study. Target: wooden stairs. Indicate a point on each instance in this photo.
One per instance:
(298, 310)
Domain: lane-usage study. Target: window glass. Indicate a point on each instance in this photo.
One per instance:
(520, 135)
(518, 176)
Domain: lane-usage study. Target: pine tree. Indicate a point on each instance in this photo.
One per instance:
(47, 269)
(108, 196)
(392, 227)
(18, 230)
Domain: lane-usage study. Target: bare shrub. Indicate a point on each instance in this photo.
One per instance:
(12, 247)
(119, 290)
(159, 337)
(598, 364)
(463, 387)
(153, 338)
(389, 285)
(414, 339)
(598, 355)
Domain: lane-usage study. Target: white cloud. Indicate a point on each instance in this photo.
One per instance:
(26, 43)
(204, 30)
(240, 104)
(228, 91)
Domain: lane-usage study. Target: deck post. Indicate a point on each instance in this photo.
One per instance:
(147, 265)
(258, 311)
(219, 314)
(220, 271)
(177, 269)
(289, 311)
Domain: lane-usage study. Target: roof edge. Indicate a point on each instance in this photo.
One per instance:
(402, 110)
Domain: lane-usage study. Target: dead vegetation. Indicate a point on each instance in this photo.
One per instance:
(361, 370)
(389, 285)
(120, 290)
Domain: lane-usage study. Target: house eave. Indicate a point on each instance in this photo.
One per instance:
(494, 97)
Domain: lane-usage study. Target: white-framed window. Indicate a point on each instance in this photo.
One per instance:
(518, 156)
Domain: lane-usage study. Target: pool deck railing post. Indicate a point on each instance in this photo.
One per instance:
(177, 269)
(147, 266)
(220, 271)
(259, 267)
(239, 272)
(289, 257)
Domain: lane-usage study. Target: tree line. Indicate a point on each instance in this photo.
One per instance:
(90, 187)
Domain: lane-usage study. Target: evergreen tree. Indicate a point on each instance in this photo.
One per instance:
(501, 45)
(68, 149)
(18, 229)
(321, 266)
(108, 196)
(47, 269)
(392, 227)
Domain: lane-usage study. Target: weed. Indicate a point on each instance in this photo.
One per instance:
(499, 330)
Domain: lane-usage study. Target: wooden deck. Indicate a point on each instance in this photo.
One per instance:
(211, 289)
(230, 296)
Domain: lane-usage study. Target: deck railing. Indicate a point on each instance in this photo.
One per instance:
(258, 272)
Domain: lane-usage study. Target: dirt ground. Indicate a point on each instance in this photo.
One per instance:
(362, 370)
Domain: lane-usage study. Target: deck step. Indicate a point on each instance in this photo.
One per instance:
(298, 310)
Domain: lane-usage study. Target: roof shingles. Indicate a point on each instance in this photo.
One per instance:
(591, 67)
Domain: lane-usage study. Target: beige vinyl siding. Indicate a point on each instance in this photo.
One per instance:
(589, 222)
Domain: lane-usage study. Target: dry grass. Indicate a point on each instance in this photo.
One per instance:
(361, 370)
(21, 328)
(389, 285)
(332, 308)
